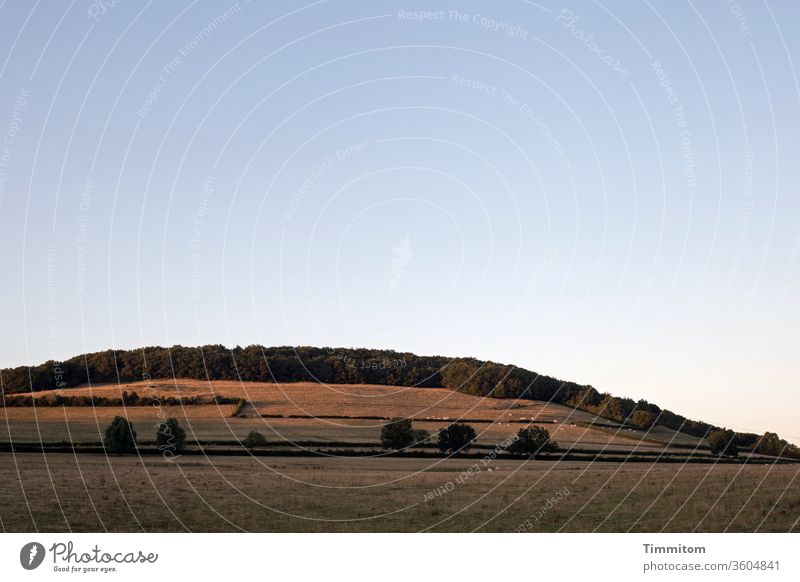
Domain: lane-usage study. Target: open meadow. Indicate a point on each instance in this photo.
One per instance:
(305, 411)
(322, 467)
(64, 492)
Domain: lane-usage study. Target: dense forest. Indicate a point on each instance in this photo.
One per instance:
(343, 366)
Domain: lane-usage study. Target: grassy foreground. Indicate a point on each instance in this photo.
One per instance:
(62, 492)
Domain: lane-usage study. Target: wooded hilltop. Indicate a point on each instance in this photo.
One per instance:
(352, 366)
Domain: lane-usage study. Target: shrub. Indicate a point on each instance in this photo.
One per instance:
(120, 436)
(130, 399)
(456, 438)
(397, 434)
(723, 443)
(170, 436)
(254, 439)
(532, 440)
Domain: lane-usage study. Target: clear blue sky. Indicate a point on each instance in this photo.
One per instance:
(607, 193)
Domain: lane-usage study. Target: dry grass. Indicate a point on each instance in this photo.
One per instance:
(209, 422)
(212, 422)
(62, 492)
(314, 399)
(95, 493)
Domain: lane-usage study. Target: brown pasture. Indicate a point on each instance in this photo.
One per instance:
(65, 492)
(317, 402)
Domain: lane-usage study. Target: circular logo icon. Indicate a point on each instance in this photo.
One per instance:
(31, 555)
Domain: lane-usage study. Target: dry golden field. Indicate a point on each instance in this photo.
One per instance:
(208, 490)
(206, 423)
(427, 406)
(65, 492)
(313, 399)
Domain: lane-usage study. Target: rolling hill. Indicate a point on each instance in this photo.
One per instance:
(348, 391)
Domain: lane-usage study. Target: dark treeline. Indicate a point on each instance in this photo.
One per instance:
(343, 366)
(216, 362)
(133, 399)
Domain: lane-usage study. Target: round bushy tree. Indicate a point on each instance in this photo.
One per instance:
(532, 440)
(120, 436)
(397, 434)
(456, 438)
(770, 444)
(170, 436)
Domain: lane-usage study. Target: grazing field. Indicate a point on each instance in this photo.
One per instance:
(65, 492)
(359, 409)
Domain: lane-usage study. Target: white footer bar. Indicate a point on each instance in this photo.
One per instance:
(396, 557)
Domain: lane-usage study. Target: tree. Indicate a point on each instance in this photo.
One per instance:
(771, 444)
(456, 438)
(532, 440)
(612, 407)
(120, 436)
(397, 434)
(723, 443)
(254, 439)
(421, 435)
(643, 419)
(170, 436)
